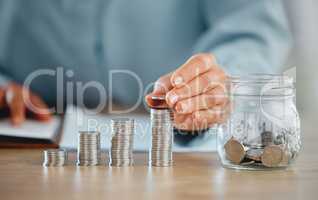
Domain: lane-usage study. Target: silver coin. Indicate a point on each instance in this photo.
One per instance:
(89, 149)
(162, 137)
(121, 151)
(54, 157)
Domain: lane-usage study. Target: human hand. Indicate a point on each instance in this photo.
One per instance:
(13, 97)
(195, 92)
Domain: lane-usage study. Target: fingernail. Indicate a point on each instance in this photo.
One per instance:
(178, 80)
(172, 98)
(179, 108)
(197, 117)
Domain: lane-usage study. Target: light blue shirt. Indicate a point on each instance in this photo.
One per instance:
(149, 38)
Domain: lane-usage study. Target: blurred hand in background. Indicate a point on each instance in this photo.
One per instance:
(12, 98)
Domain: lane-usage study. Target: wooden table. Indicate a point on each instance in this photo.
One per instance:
(195, 176)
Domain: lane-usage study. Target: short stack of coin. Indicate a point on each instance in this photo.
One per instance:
(54, 157)
(162, 137)
(121, 153)
(89, 150)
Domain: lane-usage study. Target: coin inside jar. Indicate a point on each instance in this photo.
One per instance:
(285, 158)
(234, 150)
(254, 154)
(267, 138)
(272, 156)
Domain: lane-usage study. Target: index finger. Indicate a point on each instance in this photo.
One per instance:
(14, 100)
(196, 65)
(161, 87)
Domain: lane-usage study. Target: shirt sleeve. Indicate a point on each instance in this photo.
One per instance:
(3, 80)
(246, 36)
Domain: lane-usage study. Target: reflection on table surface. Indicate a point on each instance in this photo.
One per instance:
(194, 175)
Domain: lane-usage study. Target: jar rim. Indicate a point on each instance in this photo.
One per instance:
(265, 85)
(261, 78)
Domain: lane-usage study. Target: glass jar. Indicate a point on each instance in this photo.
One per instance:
(263, 130)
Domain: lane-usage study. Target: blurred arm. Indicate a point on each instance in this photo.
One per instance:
(246, 35)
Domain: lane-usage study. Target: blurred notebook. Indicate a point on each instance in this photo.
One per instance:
(31, 134)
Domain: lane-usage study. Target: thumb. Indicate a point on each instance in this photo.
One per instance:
(161, 87)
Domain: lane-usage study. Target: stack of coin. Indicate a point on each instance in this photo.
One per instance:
(54, 157)
(89, 150)
(162, 137)
(121, 153)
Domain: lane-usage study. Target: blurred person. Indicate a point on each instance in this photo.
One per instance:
(197, 44)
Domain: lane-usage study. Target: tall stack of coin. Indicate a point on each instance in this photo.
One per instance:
(89, 150)
(54, 157)
(121, 153)
(162, 137)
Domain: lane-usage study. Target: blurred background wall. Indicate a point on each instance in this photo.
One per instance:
(303, 15)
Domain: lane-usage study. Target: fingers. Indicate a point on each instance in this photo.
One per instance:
(199, 85)
(180, 118)
(202, 119)
(216, 115)
(191, 124)
(14, 99)
(196, 91)
(163, 84)
(187, 124)
(215, 97)
(39, 108)
(195, 66)
(161, 87)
